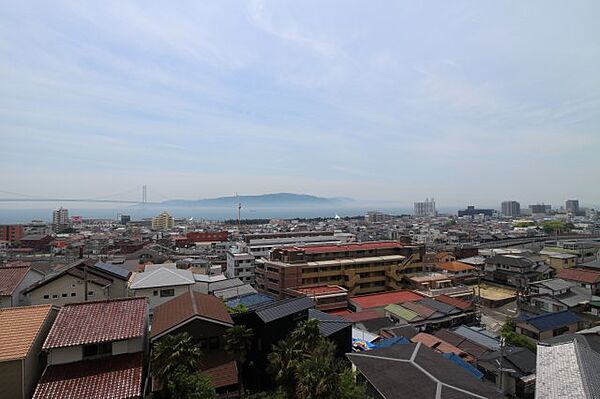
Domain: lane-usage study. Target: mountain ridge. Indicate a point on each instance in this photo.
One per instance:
(263, 200)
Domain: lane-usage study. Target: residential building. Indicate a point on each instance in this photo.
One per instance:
(472, 212)
(547, 325)
(79, 281)
(426, 208)
(511, 208)
(556, 295)
(60, 219)
(513, 368)
(22, 333)
(207, 236)
(163, 221)
(414, 370)
(96, 349)
(336, 329)
(559, 260)
(125, 219)
(240, 265)
(160, 283)
(360, 268)
(377, 217)
(206, 319)
(586, 251)
(326, 297)
(11, 232)
(270, 323)
(516, 270)
(586, 278)
(13, 280)
(572, 206)
(434, 284)
(458, 270)
(261, 245)
(37, 227)
(540, 209)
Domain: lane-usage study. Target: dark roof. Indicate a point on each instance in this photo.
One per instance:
(521, 360)
(113, 270)
(74, 270)
(249, 300)
(439, 306)
(516, 261)
(407, 331)
(271, 311)
(328, 324)
(472, 348)
(186, 307)
(375, 325)
(550, 321)
(224, 375)
(413, 370)
(117, 377)
(100, 321)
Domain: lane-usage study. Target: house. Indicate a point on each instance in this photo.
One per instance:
(568, 367)
(558, 260)
(517, 366)
(586, 278)
(458, 270)
(22, 333)
(547, 325)
(434, 284)
(270, 322)
(334, 328)
(516, 269)
(326, 297)
(206, 320)
(96, 350)
(68, 284)
(415, 371)
(160, 283)
(13, 280)
(556, 295)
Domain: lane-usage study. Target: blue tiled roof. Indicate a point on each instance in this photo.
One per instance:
(249, 300)
(458, 360)
(550, 321)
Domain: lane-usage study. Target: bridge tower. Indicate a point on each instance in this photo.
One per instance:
(144, 194)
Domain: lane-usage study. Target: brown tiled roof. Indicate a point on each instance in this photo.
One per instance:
(18, 329)
(224, 375)
(470, 347)
(438, 344)
(421, 310)
(100, 321)
(187, 306)
(11, 277)
(584, 276)
(457, 303)
(455, 266)
(115, 377)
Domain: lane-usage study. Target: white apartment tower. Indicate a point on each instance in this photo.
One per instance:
(426, 208)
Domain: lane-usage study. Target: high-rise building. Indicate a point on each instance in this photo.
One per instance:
(125, 219)
(11, 232)
(164, 221)
(540, 208)
(60, 219)
(511, 208)
(572, 206)
(426, 208)
(472, 211)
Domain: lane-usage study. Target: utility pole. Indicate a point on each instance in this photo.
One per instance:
(239, 213)
(85, 279)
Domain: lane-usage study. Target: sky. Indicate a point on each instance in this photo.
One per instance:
(468, 102)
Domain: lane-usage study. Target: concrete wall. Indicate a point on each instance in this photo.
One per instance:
(31, 278)
(68, 285)
(34, 363)
(11, 382)
(133, 345)
(69, 354)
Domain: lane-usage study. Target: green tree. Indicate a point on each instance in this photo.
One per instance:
(284, 360)
(175, 351)
(185, 385)
(237, 342)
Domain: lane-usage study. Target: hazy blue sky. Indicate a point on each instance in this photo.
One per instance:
(464, 101)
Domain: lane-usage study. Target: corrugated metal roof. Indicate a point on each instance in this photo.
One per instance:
(278, 309)
(401, 312)
(328, 324)
(478, 337)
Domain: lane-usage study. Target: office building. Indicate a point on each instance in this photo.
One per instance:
(360, 268)
(60, 219)
(11, 232)
(164, 221)
(572, 206)
(540, 208)
(125, 219)
(426, 208)
(377, 217)
(472, 211)
(511, 208)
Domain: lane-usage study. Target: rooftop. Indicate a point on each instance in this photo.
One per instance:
(161, 277)
(550, 321)
(91, 322)
(11, 277)
(581, 275)
(20, 327)
(386, 298)
(187, 306)
(321, 290)
(345, 247)
(455, 266)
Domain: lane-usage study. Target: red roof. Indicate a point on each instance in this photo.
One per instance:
(421, 310)
(362, 316)
(386, 298)
(101, 321)
(457, 303)
(321, 290)
(348, 247)
(436, 343)
(224, 375)
(455, 266)
(115, 377)
(582, 275)
(11, 277)
(187, 306)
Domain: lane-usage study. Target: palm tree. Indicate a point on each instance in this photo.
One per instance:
(237, 342)
(317, 378)
(307, 333)
(284, 360)
(172, 352)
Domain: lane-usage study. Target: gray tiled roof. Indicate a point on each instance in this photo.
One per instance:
(328, 324)
(278, 309)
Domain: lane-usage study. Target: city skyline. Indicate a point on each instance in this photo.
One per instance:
(469, 103)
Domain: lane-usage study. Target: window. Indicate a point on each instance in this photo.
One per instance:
(90, 293)
(202, 343)
(46, 296)
(94, 350)
(55, 296)
(73, 294)
(155, 292)
(213, 343)
(166, 293)
(64, 295)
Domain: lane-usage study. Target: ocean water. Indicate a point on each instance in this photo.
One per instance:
(137, 212)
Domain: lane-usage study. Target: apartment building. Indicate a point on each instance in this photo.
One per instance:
(11, 232)
(360, 268)
(164, 221)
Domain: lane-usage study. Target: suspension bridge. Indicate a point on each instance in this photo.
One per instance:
(124, 197)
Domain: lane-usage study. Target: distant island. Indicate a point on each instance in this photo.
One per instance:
(276, 200)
